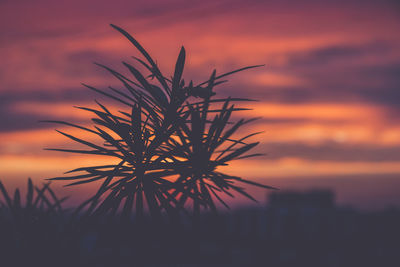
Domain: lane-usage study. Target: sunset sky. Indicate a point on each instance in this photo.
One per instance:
(329, 91)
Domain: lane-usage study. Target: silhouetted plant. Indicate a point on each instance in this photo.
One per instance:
(168, 144)
(39, 201)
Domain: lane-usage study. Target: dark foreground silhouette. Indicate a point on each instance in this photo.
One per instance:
(166, 143)
(294, 229)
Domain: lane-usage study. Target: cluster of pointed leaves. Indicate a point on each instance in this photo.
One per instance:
(38, 201)
(169, 142)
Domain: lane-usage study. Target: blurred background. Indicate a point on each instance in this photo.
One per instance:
(329, 91)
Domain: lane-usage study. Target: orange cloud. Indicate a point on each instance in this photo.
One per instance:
(321, 111)
(294, 167)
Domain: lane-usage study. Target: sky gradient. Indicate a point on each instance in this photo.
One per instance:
(329, 91)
